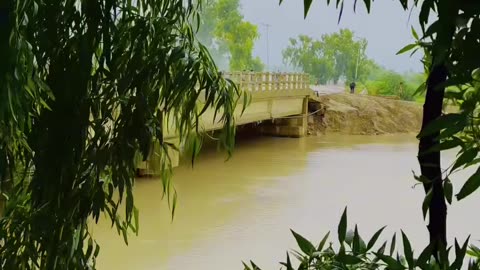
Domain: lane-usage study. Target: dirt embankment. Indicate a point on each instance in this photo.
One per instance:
(358, 114)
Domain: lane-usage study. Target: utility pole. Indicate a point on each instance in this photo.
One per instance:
(267, 26)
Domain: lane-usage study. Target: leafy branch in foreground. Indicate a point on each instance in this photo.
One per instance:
(354, 253)
(86, 90)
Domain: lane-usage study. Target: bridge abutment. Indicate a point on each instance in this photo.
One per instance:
(295, 126)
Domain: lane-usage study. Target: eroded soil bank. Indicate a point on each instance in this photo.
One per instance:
(362, 115)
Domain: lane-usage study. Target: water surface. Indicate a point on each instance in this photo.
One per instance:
(243, 209)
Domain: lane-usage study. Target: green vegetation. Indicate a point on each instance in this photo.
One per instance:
(332, 58)
(390, 83)
(449, 40)
(85, 89)
(355, 253)
(339, 57)
(228, 36)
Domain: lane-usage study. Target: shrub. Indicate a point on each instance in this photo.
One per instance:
(354, 253)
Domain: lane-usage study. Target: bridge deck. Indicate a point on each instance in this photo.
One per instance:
(273, 95)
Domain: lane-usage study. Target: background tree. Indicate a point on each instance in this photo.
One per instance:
(350, 57)
(332, 58)
(85, 89)
(230, 38)
(308, 54)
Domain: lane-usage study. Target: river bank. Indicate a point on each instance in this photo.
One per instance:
(365, 115)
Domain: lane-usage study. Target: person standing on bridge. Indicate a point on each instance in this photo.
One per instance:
(352, 88)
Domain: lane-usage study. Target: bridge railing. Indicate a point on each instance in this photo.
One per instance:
(268, 81)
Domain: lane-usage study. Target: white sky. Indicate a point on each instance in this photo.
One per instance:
(387, 28)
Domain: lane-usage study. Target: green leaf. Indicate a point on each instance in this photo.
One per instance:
(254, 266)
(322, 243)
(407, 48)
(407, 249)
(426, 203)
(348, 259)
(356, 242)
(423, 258)
(97, 251)
(393, 244)
(306, 6)
(421, 178)
(444, 145)
(459, 255)
(367, 5)
(391, 262)
(466, 157)
(434, 28)
(340, 13)
(421, 88)
(246, 267)
(288, 264)
(174, 203)
(304, 245)
(444, 121)
(135, 217)
(472, 184)
(381, 250)
(425, 11)
(414, 34)
(374, 238)
(342, 227)
(448, 190)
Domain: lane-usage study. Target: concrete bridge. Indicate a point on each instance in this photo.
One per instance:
(279, 101)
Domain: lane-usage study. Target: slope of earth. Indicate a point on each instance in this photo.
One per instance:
(360, 114)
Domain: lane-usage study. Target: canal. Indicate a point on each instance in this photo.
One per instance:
(243, 209)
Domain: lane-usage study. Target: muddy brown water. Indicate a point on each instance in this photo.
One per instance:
(243, 209)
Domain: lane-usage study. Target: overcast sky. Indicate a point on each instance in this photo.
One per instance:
(387, 28)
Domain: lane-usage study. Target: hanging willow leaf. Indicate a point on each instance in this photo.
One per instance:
(472, 184)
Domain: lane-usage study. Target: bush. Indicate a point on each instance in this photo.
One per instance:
(354, 253)
(390, 83)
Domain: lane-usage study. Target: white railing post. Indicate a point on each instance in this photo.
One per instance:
(287, 83)
(269, 81)
(290, 81)
(297, 86)
(266, 81)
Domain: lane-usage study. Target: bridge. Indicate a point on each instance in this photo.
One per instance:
(279, 101)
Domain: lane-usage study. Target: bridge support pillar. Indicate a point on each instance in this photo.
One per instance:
(292, 126)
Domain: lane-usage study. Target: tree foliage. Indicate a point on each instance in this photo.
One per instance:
(333, 57)
(226, 33)
(86, 88)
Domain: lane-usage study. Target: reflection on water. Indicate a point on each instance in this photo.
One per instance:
(243, 209)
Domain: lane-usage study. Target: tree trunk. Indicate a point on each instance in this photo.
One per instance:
(430, 163)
